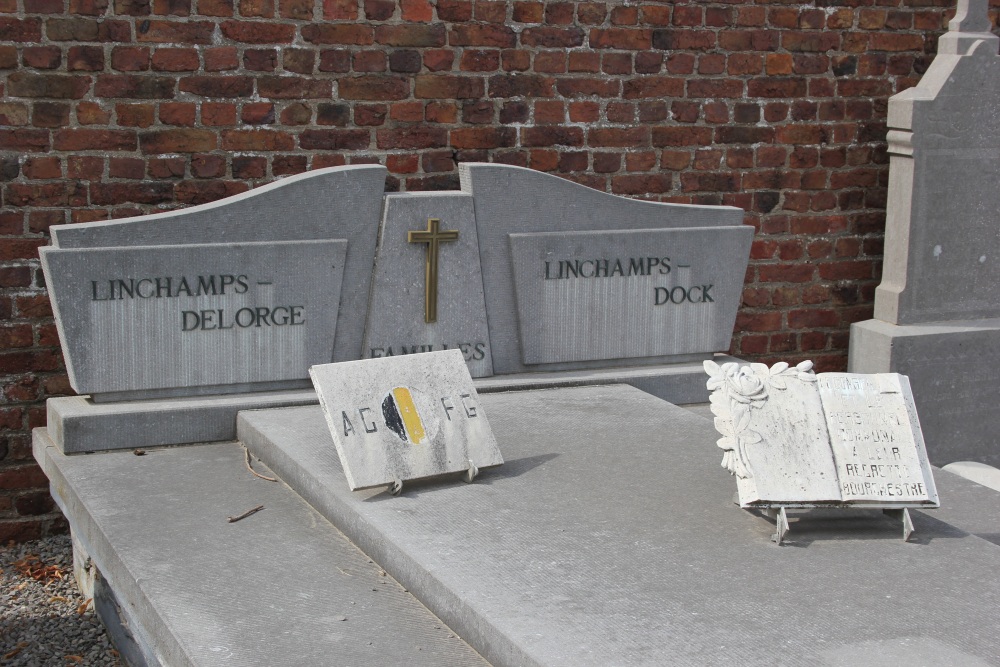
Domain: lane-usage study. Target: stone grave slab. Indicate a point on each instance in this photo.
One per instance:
(609, 537)
(397, 318)
(584, 296)
(180, 586)
(405, 418)
(514, 200)
(195, 318)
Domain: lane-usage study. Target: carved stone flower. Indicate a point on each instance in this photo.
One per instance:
(745, 386)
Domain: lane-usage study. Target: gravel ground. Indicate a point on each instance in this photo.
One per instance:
(44, 621)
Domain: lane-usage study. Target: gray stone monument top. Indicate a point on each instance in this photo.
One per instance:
(970, 24)
(405, 417)
(942, 249)
(513, 201)
(795, 439)
(404, 288)
(242, 294)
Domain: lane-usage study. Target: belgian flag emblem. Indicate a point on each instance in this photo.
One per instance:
(399, 409)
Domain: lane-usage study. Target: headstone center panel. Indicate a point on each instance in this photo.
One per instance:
(427, 293)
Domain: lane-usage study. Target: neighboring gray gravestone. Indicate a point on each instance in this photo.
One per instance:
(792, 438)
(585, 296)
(404, 418)
(937, 310)
(191, 318)
(333, 203)
(397, 321)
(513, 200)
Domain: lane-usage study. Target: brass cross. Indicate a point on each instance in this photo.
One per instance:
(431, 236)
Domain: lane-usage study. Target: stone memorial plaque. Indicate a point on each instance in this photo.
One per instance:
(877, 442)
(796, 439)
(602, 295)
(427, 290)
(195, 317)
(404, 418)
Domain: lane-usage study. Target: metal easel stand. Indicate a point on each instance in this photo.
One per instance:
(781, 521)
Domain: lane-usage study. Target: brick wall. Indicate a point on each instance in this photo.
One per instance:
(114, 108)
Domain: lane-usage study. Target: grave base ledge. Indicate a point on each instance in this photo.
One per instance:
(952, 369)
(77, 424)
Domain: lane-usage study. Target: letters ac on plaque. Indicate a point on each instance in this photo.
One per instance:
(432, 236)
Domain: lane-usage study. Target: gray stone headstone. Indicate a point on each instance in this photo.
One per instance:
(513, 200)
(797, 439)
(333, 203)
(195, 318)
(937, 310)
(404, 418)
(396, 315)
(585, 296)
(942, 250)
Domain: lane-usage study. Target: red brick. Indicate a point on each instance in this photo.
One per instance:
(481, 35)
(89, 140)
(411, 35)
(641, 184)
(217, 86)
(550, 37)
(621, 38)
(256, 32)
(24, 140)
(338, 33)
(176, 32)
(177, 113)
(135, 115)
(130, 58)
(441, 86)
(785, 273)
(656, 87)
(374, 87)
(551, 136)
(335, 139)
(61, 86)
(202, 192)
(85, 58)
(454, 10)
(340, 10)
(681, 136)
(256, 140)
(411, 138)
(134, 86)
(175, 60)
(294, 87)
(178, 141)
(221, 58)
(635, 137)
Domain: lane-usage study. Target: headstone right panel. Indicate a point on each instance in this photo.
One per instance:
(513, 200)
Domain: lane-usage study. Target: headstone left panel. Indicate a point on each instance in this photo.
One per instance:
(195, 318)
(333, 203)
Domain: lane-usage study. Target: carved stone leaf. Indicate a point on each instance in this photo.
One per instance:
(741, 416)
(778, 382)
(779, 368)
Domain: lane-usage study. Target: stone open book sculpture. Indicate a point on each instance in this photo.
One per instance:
(796, 439)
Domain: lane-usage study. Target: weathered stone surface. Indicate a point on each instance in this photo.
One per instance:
(584, 296)
(513, 200)
(195, 317)
(396, 314)
(404, 418)
(281, 587)
(793, 438)
(578, 553)
(334, 203)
